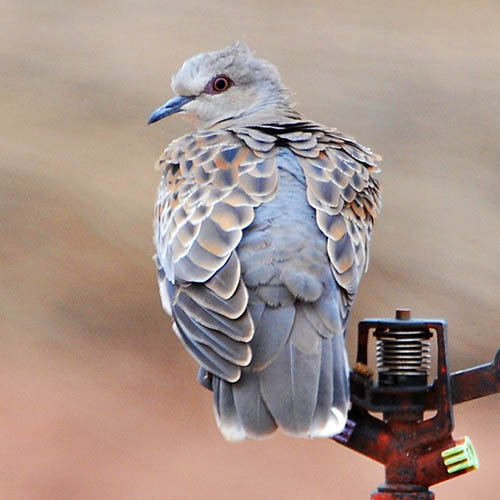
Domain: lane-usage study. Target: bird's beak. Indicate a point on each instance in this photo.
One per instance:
(170, 107)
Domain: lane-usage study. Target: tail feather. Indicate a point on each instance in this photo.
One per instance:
(289, 384)
(225, 411)
(252, 411)
(323, 313)
(289, 387)
(325, 387)
(272, 332)
(340, 374)
(303, 390)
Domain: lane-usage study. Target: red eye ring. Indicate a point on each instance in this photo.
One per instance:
(219, 84)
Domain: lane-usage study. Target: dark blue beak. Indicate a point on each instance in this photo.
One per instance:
(169, 108)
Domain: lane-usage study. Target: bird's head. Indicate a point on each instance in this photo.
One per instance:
(214, 87)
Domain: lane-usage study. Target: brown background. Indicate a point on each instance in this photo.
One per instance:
(98, 399)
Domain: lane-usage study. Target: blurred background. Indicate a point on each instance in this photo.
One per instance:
(98, 398)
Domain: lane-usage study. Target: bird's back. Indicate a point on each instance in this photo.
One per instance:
(297, 349)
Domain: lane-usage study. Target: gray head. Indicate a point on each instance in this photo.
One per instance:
(222, 85)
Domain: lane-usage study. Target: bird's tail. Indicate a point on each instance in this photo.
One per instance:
(300, 385)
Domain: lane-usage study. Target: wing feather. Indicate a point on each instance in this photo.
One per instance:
(345, 196)
(210, 185)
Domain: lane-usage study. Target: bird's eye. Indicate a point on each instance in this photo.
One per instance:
(219, 84)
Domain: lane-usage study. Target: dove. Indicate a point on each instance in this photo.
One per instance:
(262, 228)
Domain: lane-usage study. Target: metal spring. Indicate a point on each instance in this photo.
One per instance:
(403, 353)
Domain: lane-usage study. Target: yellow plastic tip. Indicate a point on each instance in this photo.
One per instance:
(460, 457)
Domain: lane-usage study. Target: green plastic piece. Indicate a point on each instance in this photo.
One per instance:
(461, 456)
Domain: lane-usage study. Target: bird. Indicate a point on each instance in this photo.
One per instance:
(262, 228)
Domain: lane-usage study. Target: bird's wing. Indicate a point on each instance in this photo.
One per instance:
(211, 183)
(347, 199)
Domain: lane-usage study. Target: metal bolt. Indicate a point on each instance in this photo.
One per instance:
(403, 314)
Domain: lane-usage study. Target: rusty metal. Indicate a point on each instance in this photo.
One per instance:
(407, 443)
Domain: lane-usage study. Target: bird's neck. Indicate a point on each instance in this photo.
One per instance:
(264, 112)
